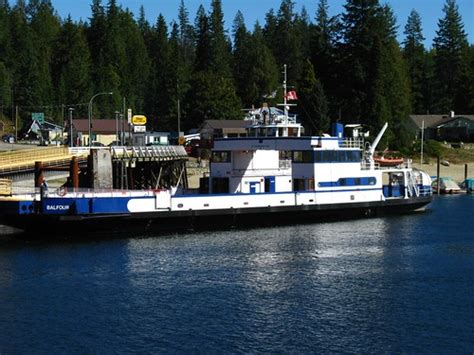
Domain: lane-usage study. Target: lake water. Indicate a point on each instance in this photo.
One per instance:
(397, 284)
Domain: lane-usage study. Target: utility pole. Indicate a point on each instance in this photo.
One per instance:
(422, 138)
(71, 135)
(117, 114)
(16, 123)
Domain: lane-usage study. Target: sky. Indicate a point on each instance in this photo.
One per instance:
(253, 10)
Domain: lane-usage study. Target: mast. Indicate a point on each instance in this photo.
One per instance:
(285, 107)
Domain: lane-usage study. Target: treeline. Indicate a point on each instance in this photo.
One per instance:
(348, 67)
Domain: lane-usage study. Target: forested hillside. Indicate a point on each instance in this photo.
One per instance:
(348, 67)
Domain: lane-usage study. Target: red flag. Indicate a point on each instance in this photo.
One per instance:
(291, 95)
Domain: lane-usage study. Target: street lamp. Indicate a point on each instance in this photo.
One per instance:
(71, 140)
(90, 113)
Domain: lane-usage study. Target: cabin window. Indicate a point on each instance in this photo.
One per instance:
(221, 157)
(337, 156)
(271, 132)
(303, 156)
(299, 184)
(220, 185)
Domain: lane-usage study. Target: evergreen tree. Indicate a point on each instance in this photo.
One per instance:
(158, 104)
(22, 62)
(45, 26)
(213, 93)
(377, 88)
(135, 66)
(5, 77)
(220, 57)
(72, 68)
(287, 45)
(450, 44)
(203, 41)
(186, 35)
(255, 69)
(313, 106)
(414, 54)
(324, 38)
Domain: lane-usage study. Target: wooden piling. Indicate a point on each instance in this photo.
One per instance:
(465, 172)
(438, 185)
(74, 173)
(38, 173)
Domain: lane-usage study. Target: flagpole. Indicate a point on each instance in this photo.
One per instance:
(285, 108)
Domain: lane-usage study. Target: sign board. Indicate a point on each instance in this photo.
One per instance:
(139, 129)
(38, 116)
(139, 120)
(129, 115)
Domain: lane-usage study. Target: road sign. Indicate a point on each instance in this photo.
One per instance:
(139, 129)
(129, 115)
(38, 116)
(139, 120)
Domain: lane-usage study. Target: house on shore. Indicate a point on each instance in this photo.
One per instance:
(450, 128)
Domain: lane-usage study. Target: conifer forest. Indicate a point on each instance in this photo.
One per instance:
(349, 68)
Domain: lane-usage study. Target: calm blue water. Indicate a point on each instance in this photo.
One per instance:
(395, 284)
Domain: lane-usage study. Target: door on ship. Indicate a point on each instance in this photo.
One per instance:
(270, 184)
(254, 187)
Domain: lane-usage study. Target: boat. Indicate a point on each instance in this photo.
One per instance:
(447, 186)
(274, 175)
(388, 161)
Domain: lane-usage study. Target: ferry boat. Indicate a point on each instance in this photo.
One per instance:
(274, 175)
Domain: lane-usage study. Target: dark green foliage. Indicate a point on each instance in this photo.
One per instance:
(313, 104)
(414, 54)
(451, 46)
(72, 68)
(348, 67)
(255, 71)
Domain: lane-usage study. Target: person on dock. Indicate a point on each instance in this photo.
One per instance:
(44, 188)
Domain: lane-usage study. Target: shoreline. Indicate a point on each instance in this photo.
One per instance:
(455, 171)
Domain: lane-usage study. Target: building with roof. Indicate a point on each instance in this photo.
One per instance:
(103, 130)
(43, 131)
(211, 129)
(451, 128)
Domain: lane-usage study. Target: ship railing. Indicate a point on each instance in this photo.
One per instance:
(425, 190)
(366, 165)
(351, 143)
(70, 192)
(413, 188)
(5, 187)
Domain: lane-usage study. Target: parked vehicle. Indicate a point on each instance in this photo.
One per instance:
(8, 138)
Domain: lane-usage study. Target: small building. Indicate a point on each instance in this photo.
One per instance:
(151, 138)
(104, 131)
(451, 128)
(45, 132)
(211, 129)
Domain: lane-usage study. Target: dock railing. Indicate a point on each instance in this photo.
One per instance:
(5, 187)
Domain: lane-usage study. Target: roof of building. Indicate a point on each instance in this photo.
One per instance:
(101, 126)
(432, 121)
(222, 124)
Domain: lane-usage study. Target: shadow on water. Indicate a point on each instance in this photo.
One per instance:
(13, 237)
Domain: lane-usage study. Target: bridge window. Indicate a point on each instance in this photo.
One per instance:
(303, 156)
(221, 157)
(337, 156)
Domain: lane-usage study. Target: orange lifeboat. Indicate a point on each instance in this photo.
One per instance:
(391, 161)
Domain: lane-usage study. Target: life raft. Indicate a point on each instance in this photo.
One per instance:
(383, 161)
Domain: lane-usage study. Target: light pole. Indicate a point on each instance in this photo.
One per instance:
(71, 137)
(90, 113)
(117, 114)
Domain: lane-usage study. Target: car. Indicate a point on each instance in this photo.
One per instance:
(8, 138)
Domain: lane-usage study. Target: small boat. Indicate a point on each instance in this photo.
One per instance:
(447, 186)
(388, 161)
